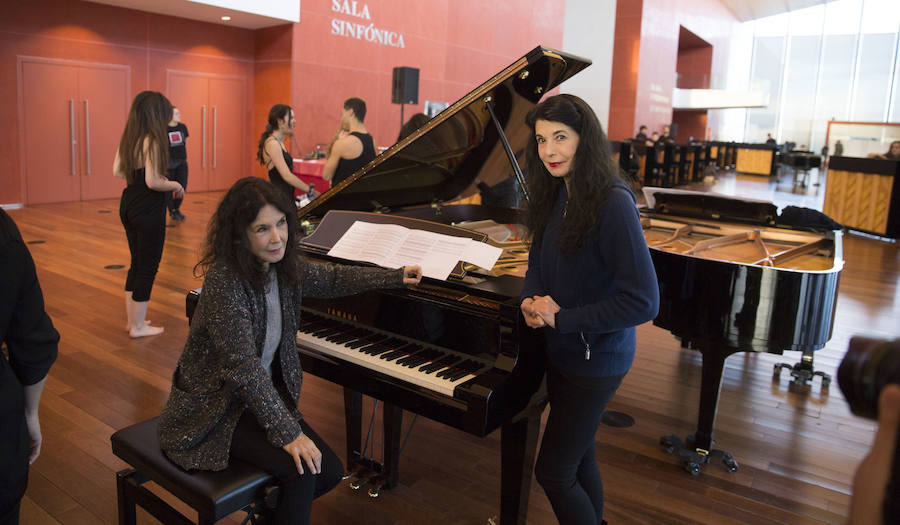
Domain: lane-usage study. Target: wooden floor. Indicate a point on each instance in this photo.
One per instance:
(797, 453)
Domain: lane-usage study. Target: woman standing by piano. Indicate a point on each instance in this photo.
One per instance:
(590, 281)
(237, 384)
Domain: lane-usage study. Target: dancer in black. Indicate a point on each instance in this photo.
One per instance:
(273, 155)
(178, 168)
(141, 160)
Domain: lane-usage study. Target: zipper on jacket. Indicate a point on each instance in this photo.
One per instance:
(587, 347)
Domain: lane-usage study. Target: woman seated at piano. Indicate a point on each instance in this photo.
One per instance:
(236, 388)
(590, 281)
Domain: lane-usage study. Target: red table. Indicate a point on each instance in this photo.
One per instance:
(310, 172)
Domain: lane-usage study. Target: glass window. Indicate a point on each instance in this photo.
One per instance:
(766, 77)
(876, 58)
(833, 99)
(800, 90)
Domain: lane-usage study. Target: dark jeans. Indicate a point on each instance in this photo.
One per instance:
(146, 234)
(566, 466)
(297, 491)
(179, 174)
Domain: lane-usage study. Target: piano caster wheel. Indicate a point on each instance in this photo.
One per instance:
(731, 466)
(374, 492)
(692, 468)
(668, 444)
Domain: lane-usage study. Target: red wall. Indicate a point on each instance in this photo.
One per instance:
(271, 82)
(148, 43)
(657, 55)
(456, 45)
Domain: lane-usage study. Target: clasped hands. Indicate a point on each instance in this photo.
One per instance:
(540, 311)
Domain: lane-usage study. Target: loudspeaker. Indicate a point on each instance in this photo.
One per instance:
(405, 89)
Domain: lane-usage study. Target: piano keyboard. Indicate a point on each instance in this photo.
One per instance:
(428, 366)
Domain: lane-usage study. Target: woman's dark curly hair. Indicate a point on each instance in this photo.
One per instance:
(276, 113)
(227, 241)
(590, 178)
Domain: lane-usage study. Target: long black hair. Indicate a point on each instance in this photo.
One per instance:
(227, 241)
(148, 119)
(278, 112)
(590, 179)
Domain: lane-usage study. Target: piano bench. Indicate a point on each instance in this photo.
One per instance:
(213, 495)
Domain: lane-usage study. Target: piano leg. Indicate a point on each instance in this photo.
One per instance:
(353, 423)
(518, 443)
(392, 418)
(696, 450)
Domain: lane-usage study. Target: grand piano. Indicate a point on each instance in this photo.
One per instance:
(733, 279)
(455, 351)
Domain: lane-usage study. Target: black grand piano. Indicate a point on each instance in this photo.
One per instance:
(734, 279)
(454, 351)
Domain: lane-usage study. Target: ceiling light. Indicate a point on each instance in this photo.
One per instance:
(226, 18)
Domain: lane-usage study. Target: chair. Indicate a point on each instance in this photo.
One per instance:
(213, 495)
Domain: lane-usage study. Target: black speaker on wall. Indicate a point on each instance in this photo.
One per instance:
(405, 89)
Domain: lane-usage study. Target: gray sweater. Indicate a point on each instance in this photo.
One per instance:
(220, 373)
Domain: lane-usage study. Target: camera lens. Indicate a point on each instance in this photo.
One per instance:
(869, 365)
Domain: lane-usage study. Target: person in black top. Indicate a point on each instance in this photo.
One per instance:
(590, 281)
(274, 156)
(178, 169)
(142, 160)
(770, 140)
(642, 134)
(31, 347)
(352, 147)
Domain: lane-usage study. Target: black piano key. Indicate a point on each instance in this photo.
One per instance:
(456, 375)
(362, 342)
(448, 363)
(379, 350)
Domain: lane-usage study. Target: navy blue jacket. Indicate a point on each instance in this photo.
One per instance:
(604, 290)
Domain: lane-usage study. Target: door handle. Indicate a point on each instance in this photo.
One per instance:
(87, 136)
(72, 131)
(215, 141)
(203, 127)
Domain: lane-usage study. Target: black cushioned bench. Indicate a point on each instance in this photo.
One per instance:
(213, 495)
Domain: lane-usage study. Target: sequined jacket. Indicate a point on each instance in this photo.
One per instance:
(220, 373)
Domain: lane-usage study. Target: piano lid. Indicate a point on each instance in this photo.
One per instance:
(459, 147)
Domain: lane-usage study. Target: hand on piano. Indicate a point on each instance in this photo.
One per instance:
(412, 274)
(303, 449)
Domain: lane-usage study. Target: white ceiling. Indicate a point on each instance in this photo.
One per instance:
(196, 10)
(747, 10)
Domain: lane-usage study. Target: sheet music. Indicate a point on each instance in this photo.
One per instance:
(393, 246)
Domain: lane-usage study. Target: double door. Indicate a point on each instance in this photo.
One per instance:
(212, 107)
(73, 115)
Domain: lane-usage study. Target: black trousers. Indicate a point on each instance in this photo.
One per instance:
(146, 232)
(179, 174)
(15, 445)
(249, 444)
(566, 467)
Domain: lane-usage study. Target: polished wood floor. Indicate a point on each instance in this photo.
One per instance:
(797, 453)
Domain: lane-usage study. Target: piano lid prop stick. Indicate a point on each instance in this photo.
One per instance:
(509, 152)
